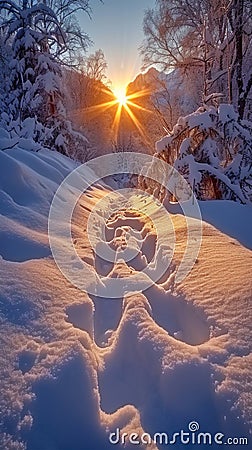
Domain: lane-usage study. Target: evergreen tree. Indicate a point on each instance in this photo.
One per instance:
(34, 88)
(34, 84)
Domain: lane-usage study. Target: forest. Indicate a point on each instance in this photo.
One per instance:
(196, 89)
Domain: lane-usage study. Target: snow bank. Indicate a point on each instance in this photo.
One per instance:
(231, 218)
(74, 367)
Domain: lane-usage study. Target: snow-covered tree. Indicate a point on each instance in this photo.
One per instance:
(76, 40)
(176, 31)
(35, 83)
(214, 37)
(34, 86)
(212, 149)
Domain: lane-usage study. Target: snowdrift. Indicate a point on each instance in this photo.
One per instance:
(76, 368)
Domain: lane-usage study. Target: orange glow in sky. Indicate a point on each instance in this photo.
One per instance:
(116, 27)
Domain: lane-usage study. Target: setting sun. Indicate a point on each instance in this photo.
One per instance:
(120, 95)
(122, 102)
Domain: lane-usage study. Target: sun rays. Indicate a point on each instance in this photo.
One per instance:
(122, 102)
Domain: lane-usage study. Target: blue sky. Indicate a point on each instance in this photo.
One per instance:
(116, 28)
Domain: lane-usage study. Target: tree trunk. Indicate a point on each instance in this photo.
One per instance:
(239, 9)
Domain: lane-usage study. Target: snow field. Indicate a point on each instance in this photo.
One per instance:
(76, 366)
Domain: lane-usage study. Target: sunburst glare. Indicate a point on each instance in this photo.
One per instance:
(122, 102)
(121, 95)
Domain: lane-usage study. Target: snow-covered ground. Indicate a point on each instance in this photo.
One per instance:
(76, 368)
